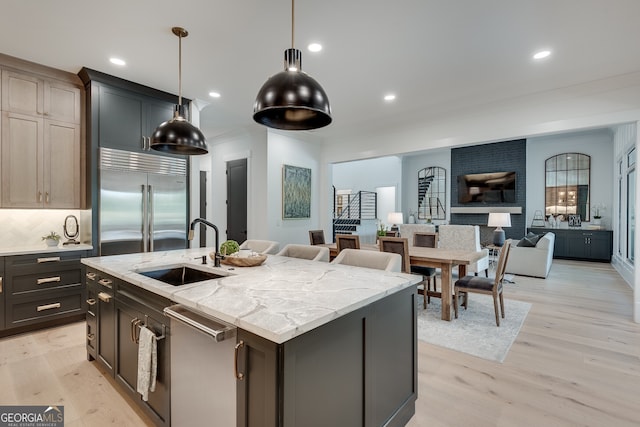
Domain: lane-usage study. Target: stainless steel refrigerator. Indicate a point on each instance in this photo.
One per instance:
(143, 204)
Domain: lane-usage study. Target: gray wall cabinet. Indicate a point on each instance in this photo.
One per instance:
(581, 244)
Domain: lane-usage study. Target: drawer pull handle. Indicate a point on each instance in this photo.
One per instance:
(91, 301)
(239, 375)
(91, 276)
(104, 297)
(49, 259)
(49, 306)
(0, 285)
(91, 337)
(105, 282)
(48, 280)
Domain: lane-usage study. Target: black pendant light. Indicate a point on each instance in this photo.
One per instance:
(292, 99)
(177, 135)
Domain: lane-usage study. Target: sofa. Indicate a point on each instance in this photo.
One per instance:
(532, 255)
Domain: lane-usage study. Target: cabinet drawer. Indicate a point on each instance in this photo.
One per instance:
(23, 311)
(45, 280)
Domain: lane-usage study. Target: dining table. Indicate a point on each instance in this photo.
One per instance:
(444, 259)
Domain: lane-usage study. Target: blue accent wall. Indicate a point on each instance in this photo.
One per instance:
(495, 157)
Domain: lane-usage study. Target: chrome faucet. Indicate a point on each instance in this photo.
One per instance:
(217, 257)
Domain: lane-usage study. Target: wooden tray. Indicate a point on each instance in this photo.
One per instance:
(251, 261)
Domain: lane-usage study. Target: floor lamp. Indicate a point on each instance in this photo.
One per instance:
(499, 220)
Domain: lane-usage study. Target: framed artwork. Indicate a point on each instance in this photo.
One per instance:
(575, 221)
(296, 192)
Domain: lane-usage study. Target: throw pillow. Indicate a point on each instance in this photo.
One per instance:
(530, 240)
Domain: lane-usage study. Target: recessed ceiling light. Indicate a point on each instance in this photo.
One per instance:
(389, 97)
(117, 61)
(314, 47)
(542, 54)
(214, 94)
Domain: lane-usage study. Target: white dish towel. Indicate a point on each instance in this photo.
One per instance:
(147, 362)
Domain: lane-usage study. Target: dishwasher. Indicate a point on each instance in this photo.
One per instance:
(203, 382)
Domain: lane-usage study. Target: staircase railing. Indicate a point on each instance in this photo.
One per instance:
(359, 206)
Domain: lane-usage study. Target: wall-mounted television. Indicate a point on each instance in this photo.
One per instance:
(493, 187)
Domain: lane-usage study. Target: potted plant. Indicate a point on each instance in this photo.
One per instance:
(382, 230)
(597, 211)
(52, 239)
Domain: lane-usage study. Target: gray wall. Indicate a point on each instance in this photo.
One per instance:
(496, 157)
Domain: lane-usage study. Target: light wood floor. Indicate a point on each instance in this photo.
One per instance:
(576, 362)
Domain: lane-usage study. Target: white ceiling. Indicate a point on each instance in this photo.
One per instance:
(435, 55)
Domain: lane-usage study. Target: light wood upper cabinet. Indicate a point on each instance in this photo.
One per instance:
(41, 145)
(26, 94)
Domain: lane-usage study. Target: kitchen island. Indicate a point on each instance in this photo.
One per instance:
(316, 343)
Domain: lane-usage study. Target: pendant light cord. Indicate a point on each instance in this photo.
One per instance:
(180, 70)
(293, 24)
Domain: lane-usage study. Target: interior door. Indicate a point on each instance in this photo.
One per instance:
(237, 200)
(168, 207)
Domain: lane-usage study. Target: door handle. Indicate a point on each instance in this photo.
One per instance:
(48, 280)
(0, 285)
(50, 259)
(48, 306)
(105, 282)
(150, 218)
(145, 219)
(236, 351)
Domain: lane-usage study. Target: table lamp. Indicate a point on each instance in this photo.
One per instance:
(394, 218)
(499, 220)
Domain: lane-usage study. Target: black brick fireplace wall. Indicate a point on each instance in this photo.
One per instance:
(496, 157)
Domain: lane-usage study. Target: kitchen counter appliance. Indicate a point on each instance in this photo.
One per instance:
(203, 375)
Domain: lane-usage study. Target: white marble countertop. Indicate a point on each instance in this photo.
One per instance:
(279, 300)
(43, 249)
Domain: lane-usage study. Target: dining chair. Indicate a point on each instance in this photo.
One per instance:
(467, 238)
(426, 239)
(261, 246)
(400, 246)
(370, 259)
(314, 253)
(347, 241)
(485, 285)
(316, 237)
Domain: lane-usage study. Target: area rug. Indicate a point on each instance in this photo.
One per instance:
(474, 331)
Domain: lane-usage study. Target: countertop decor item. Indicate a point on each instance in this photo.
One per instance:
(52, 239)
(237, 261)
(71, 230)
(177, 135)
(229, 247)
(292, 99)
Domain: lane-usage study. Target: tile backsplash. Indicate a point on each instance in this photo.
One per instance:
(25, 227)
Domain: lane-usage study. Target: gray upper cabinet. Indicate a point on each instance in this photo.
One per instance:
(128, 120)
(124, 114)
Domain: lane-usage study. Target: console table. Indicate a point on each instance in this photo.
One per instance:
(580, 243)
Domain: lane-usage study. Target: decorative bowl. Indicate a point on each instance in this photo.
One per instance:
(237, 261)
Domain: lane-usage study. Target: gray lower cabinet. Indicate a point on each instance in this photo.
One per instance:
(359, 369)
(2, 286)
(581, 244)
(40, 289)
(100, 317)
(117, 310)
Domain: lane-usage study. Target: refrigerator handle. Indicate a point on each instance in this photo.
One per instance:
(150, 219)
(145, 219)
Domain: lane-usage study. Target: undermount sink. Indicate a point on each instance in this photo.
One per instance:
(178, 276)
